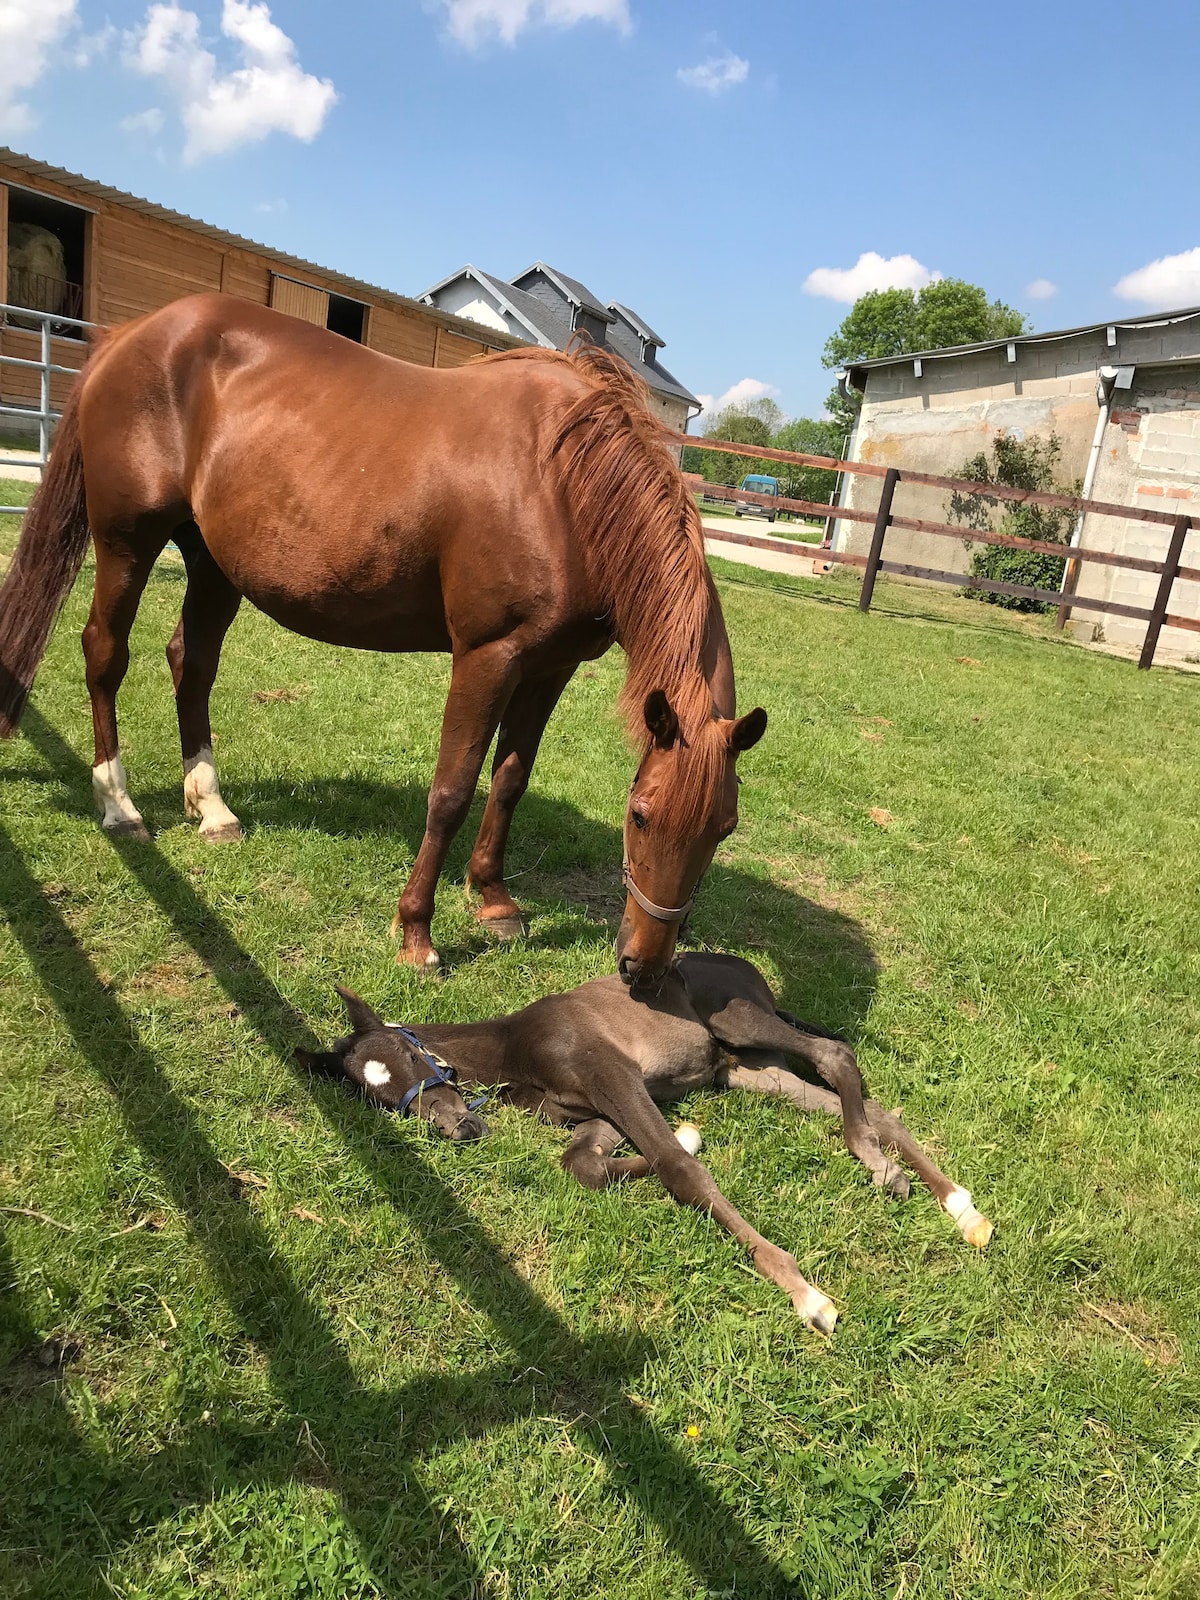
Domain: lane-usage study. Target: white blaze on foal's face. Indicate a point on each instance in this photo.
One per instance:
(376, 1074)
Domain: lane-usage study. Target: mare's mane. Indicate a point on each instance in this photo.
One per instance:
(644, 545)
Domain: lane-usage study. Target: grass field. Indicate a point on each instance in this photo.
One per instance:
(259, 1341)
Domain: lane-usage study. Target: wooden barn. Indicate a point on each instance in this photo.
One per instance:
(79, 249)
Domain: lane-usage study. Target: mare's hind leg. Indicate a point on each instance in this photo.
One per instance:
(521, 728)
(209, 606)
(975, 1228)
(744, 1025)
(121, 574)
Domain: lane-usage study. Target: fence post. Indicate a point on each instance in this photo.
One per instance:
(882, 517)
(1163, 598)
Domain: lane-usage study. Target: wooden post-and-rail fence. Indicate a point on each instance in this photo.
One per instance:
(1169, 569)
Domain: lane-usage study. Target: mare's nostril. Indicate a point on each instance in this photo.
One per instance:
(627, 967)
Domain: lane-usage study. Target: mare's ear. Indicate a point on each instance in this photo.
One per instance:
(362, 1018)
(661, 721)
(748, 730)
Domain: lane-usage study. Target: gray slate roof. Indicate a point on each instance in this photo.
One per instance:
(552, 325)
(578, 293)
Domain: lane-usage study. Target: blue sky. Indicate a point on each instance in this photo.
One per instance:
(723, 169)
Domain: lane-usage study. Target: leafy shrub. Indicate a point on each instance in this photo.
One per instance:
(1020, 464)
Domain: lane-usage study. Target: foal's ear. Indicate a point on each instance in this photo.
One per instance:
(748, 730)
(362, 1018)
(320, 1061)
(661, 721)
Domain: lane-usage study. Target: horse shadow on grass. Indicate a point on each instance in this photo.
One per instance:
(409, 1544)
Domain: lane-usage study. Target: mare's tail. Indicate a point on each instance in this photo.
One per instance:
(53, 543)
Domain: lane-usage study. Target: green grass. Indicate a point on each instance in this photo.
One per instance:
(471, 1377)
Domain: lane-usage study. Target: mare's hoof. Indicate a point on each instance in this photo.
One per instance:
(502, 927)
(226, 833)
(428, 965)
(127, 830)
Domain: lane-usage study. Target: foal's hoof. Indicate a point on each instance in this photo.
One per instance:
(973, 1225)
(224, 833)
(817, 1309)
(894, 1181)
(502, 927)
(127, 830)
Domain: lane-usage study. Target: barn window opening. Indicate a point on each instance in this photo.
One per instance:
(47, 241)
(347, 317)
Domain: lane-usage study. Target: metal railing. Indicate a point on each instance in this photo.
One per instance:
(44, 326)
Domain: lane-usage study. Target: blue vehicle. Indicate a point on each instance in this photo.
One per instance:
(757, 483)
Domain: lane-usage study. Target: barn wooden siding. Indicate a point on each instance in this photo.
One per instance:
(135, 263)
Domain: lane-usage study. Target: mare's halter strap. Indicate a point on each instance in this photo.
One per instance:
(440, 1071)
(659, 913)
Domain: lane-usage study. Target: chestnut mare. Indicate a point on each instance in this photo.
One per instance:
(520, 512)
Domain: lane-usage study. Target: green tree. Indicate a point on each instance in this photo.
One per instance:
(1021, 464)
(739, 424)
(808, 436)
(897, 322)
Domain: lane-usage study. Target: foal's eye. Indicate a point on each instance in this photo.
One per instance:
(639, 819)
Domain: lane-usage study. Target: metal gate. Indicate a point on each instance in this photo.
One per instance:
(43, 325)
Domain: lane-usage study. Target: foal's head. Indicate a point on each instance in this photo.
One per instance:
(387, 1068)
(682, 804)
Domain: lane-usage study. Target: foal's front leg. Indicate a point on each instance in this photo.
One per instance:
(480, 686)
(622, 1098)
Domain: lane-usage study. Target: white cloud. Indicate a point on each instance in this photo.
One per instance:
(149, 121)
(1041, 289)
(268, 93)
(1169, 281)
(473, 21)
(740, 393)
(870, 271)
(716, 74)
(271, 208)
(30, 31)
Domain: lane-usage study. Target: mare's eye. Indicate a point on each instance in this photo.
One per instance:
(639, 819)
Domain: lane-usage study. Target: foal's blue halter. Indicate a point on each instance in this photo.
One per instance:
(440, 1071)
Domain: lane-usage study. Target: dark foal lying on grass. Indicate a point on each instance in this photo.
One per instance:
(603, 1060)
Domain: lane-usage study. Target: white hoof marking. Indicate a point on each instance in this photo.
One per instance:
(973, 1225)
(112, 797)
(690, 1137)
(202, 793)
(817, 1309)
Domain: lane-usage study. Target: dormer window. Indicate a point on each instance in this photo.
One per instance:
(588, 322)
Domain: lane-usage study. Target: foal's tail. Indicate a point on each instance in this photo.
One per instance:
(53, 543)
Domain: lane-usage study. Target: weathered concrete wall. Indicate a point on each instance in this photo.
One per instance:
(1151, 458)
(934, 422)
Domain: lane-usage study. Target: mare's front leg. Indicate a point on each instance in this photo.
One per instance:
(621, 1097)
(480, 687)
(194, 653)
(743, 1025)
(521, 728)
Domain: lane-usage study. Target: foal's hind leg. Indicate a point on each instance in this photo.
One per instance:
(209, 606)
(121, 574)
(521, 728)
(744, 1025)
(892, 1134)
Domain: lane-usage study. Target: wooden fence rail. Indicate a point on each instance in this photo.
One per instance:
(1170, 570)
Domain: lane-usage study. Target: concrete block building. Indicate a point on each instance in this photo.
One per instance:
(1123, 397)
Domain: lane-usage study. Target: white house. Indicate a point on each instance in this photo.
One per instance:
(543, 306)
